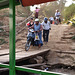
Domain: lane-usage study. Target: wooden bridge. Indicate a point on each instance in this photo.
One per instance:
(21, 55)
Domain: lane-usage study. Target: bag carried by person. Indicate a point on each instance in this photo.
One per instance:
(36, 37)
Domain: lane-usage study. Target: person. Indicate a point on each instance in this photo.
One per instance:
(57, 16)
(54, 20)
(36, 12)
(38, 27)
(30, 23)
(46, 28)
(51, 19)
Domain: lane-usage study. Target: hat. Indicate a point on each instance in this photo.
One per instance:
(45, 19)
(36, 20)
(57, 10)
(31, 18)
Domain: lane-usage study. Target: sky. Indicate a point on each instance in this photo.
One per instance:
(33, 7)
(69, 2)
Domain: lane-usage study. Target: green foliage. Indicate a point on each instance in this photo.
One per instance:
(1, 24)
(69, 12)
(2, 0)
(73, 24)
(2, 41)
(49, 9)
(73, 38)
(1, 29)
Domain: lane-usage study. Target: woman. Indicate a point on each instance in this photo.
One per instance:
(38, 28)
(30, 23)
(36, 12)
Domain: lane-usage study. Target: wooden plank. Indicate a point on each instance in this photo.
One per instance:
(65, 52)
(34, 65)
(23, 55)
(6, 52)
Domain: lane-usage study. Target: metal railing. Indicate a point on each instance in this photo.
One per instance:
(30, 70)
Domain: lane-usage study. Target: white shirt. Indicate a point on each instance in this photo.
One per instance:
(46, 26)
(57, 14)
(51, 18)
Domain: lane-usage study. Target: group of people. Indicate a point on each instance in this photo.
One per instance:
(45, 26)
(56, 19)
(37, 26)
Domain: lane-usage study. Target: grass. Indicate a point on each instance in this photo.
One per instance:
(1, 29)
(3, 0)
(1, 24)
(73, 24)
(2, 41)
(73, 49)
(73, 38)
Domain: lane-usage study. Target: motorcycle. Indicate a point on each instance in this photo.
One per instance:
(30, 39)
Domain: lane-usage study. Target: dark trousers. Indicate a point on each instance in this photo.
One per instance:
(45, 35)
(60, 20)
(36, 15)
(51, 21)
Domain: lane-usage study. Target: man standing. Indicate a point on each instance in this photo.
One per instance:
(46, 28)
(57, 16)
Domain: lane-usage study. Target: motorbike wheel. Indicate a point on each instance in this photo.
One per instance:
(27, 46)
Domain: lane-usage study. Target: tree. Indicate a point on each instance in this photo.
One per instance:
(69, 12)
(48, 9)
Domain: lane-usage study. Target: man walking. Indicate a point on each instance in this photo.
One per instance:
(46, 28)
(57, 16)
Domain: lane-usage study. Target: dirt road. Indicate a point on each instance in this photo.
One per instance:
(56, 41)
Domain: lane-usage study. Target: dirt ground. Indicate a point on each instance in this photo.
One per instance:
(56, 41)
(59, 39)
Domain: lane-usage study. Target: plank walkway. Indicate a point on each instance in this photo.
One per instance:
(20, 55)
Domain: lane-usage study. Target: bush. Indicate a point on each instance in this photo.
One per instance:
(73, 24)
(73, 38)
(69, 12)
(1, 24)
(2, 41)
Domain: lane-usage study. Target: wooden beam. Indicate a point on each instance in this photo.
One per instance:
(34, 65)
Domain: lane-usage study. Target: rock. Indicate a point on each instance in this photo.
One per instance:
(71, 33)
(67, 37)
(36, 60)
(52, 58)
(73, 46)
